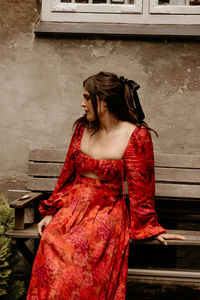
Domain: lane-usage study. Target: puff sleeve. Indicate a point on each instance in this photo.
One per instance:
(64, 183)
(139, 170)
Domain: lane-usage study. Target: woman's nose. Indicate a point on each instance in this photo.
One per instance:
(83, 103)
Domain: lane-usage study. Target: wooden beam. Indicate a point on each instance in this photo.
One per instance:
(125, 30)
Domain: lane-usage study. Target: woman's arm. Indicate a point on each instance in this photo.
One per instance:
(139, 169)
(64, 183)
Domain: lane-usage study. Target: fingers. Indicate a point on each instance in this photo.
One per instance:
(169, 236)
(40, 228)
(161, 240)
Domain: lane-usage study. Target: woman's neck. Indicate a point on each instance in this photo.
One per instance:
(108, 122)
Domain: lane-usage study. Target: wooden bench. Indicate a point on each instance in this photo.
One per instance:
(177, 203)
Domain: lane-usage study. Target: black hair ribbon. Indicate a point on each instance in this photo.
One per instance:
(133, 87)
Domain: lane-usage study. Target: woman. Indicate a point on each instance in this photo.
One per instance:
(83, 252)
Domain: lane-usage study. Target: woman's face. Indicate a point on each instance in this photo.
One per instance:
(87, 105)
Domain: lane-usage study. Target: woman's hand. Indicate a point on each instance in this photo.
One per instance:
(168, 236)
(43, 223)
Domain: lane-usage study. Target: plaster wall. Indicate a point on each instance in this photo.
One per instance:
(41, 87)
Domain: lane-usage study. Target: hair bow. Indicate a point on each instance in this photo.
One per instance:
(133, 87)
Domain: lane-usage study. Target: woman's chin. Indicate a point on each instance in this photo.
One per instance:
(90, 118)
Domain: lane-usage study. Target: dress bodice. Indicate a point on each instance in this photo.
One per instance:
(106, 169)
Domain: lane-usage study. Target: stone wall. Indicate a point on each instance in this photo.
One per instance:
(41, 86)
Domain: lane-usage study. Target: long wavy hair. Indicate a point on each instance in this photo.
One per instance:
(117, 95)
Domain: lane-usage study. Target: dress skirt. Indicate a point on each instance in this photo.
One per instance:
(83, 252)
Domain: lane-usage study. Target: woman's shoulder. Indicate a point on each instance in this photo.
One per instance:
(140, 139)
(134, 131)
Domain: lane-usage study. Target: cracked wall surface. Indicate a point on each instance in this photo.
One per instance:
(41, 86)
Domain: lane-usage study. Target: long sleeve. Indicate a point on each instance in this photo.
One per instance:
(140, 175)
(64, 183)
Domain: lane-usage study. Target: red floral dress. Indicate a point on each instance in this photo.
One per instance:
(83, 252)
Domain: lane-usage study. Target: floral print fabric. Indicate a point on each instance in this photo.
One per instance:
(83, 252)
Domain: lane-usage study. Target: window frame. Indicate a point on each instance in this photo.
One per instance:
(145, 23)
(58, 6)
(156, 8)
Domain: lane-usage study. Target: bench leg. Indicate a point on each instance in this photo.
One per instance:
(20, 243)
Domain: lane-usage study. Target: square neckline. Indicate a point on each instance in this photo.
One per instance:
(106, 159)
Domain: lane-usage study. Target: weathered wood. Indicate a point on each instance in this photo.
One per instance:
(192, 239)
(177, 161)
(19, 203)
(161, 160)
(175, 190)
(177, 175)
(44, 169)
(41, 184)
(48, 155)
(14, 194)
(161, 174)
(29, 215)
(190, 278)
(117, 29)
(162, 190)
(30, 232)
(19, 218)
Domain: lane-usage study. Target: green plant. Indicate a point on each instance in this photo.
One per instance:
(10, 287)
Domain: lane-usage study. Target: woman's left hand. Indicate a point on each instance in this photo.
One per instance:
(168, 236)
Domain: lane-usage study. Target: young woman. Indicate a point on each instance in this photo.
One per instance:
(86, 225)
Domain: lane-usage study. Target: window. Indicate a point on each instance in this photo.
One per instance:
(98, 6)
(119, 16)
(186, 7)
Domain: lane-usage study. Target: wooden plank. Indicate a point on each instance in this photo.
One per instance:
(106, 29)
(170, 190)
(192, 239)
(177, 175)
(177, 190)
(19, 203)
(48, 155)
(162, 189)
(29, 215)
(44, 169)
(14, 194)
(41, 184)
(165, 273)
(161, 174)
(19, 218)
(166, 277)
(161, 160)
(177, 160)
(30, 232)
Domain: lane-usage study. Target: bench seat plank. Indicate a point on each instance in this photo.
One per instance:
(192, 237)
(30, 232)
(190, 277)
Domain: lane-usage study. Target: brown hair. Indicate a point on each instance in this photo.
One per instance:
(115, 91)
